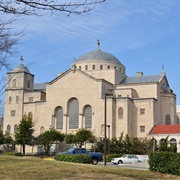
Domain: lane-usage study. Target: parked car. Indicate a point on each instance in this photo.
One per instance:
(127, 158)
(95, 156)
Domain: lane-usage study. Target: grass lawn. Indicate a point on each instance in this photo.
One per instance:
(33, 168)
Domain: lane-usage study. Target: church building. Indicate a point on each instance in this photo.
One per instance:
(95, 91)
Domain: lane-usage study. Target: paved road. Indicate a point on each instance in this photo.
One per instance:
(144, 165)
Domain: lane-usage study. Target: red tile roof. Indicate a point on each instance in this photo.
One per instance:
(166, 129)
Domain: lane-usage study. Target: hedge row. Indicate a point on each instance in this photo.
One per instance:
(165, 162)
(78, 158)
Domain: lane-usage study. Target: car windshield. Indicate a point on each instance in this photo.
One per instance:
(70, 150)
(124, 156)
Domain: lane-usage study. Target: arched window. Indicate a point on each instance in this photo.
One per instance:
(162, 141)
(101, 67)
(30, 115)
(14, 83)
(42, 130)
(28, 84)
(73, 113)
(88, 116)
(173, 141)
(168, 119)
(10, 99)
(93, 67)
(17, 99)
(120, 113)
(15, 128)
(177, 120)
(79, 67)
(8, 128)
(108, 67)
(86, 67)
(59, 117)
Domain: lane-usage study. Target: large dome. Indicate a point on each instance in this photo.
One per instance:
(98, 55)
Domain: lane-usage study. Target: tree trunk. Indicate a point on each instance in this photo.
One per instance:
(24, 149)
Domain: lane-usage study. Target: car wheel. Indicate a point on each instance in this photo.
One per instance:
(120, 162)
(94, 161)
(139, 161)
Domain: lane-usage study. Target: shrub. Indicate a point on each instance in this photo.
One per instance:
(76, 158)
(13, 153)
(165, 162)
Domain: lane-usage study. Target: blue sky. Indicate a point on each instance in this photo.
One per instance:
(142, 34)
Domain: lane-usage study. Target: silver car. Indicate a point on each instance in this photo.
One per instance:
(127, 159)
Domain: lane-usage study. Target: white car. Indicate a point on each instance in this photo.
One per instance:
(127, 159)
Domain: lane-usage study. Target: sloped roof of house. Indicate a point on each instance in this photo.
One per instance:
(39, 86)
(166, 129)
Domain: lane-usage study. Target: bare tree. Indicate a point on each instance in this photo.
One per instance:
(39, 7)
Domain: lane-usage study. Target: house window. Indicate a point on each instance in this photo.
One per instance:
(17, 99)
(142, 111)
(93, 67)
(168, 119)
(13, 113)
(120, 113)
(101, 67)
(142, 129)
(10, 99)
(86, 67)
(30, 99)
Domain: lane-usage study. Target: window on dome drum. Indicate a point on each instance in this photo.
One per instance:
(8, 129)
(13, 113)
(101, 67)
(10, 99)
(30, 99)
(14, 83)
(108, 67)
(73, 113)
(30, 115)
(79, 67)
(28, 84)
(120, 113)
(88, 116)
(93, 67)
(168, 119)
(142, 129)
(17, 99)
(59, 117)
(142, 111)
(86, 67)
(15, 128)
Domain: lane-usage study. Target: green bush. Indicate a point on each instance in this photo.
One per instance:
(109, 157)
(165, 162)
(76, 158)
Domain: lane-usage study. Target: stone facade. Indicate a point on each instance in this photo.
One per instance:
(76, 99)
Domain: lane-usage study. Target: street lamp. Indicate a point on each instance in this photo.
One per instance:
(105, 124)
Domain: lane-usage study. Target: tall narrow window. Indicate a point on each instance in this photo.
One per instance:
(73, 113)
(10, 99)
(93, 67)
(86, 67)
(15, 128)
(14, 83)
(8, 128)
(30, 115)
(142, 111)
(42, 130)
(59, 117)
(28, 84)
(142, 129)
(168, 119)
(17, 99)
(101, 67)
(88, 116)
(120, 113)
(108, 67)
(79, 67)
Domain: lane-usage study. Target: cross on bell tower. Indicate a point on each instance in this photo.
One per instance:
(21, 59)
